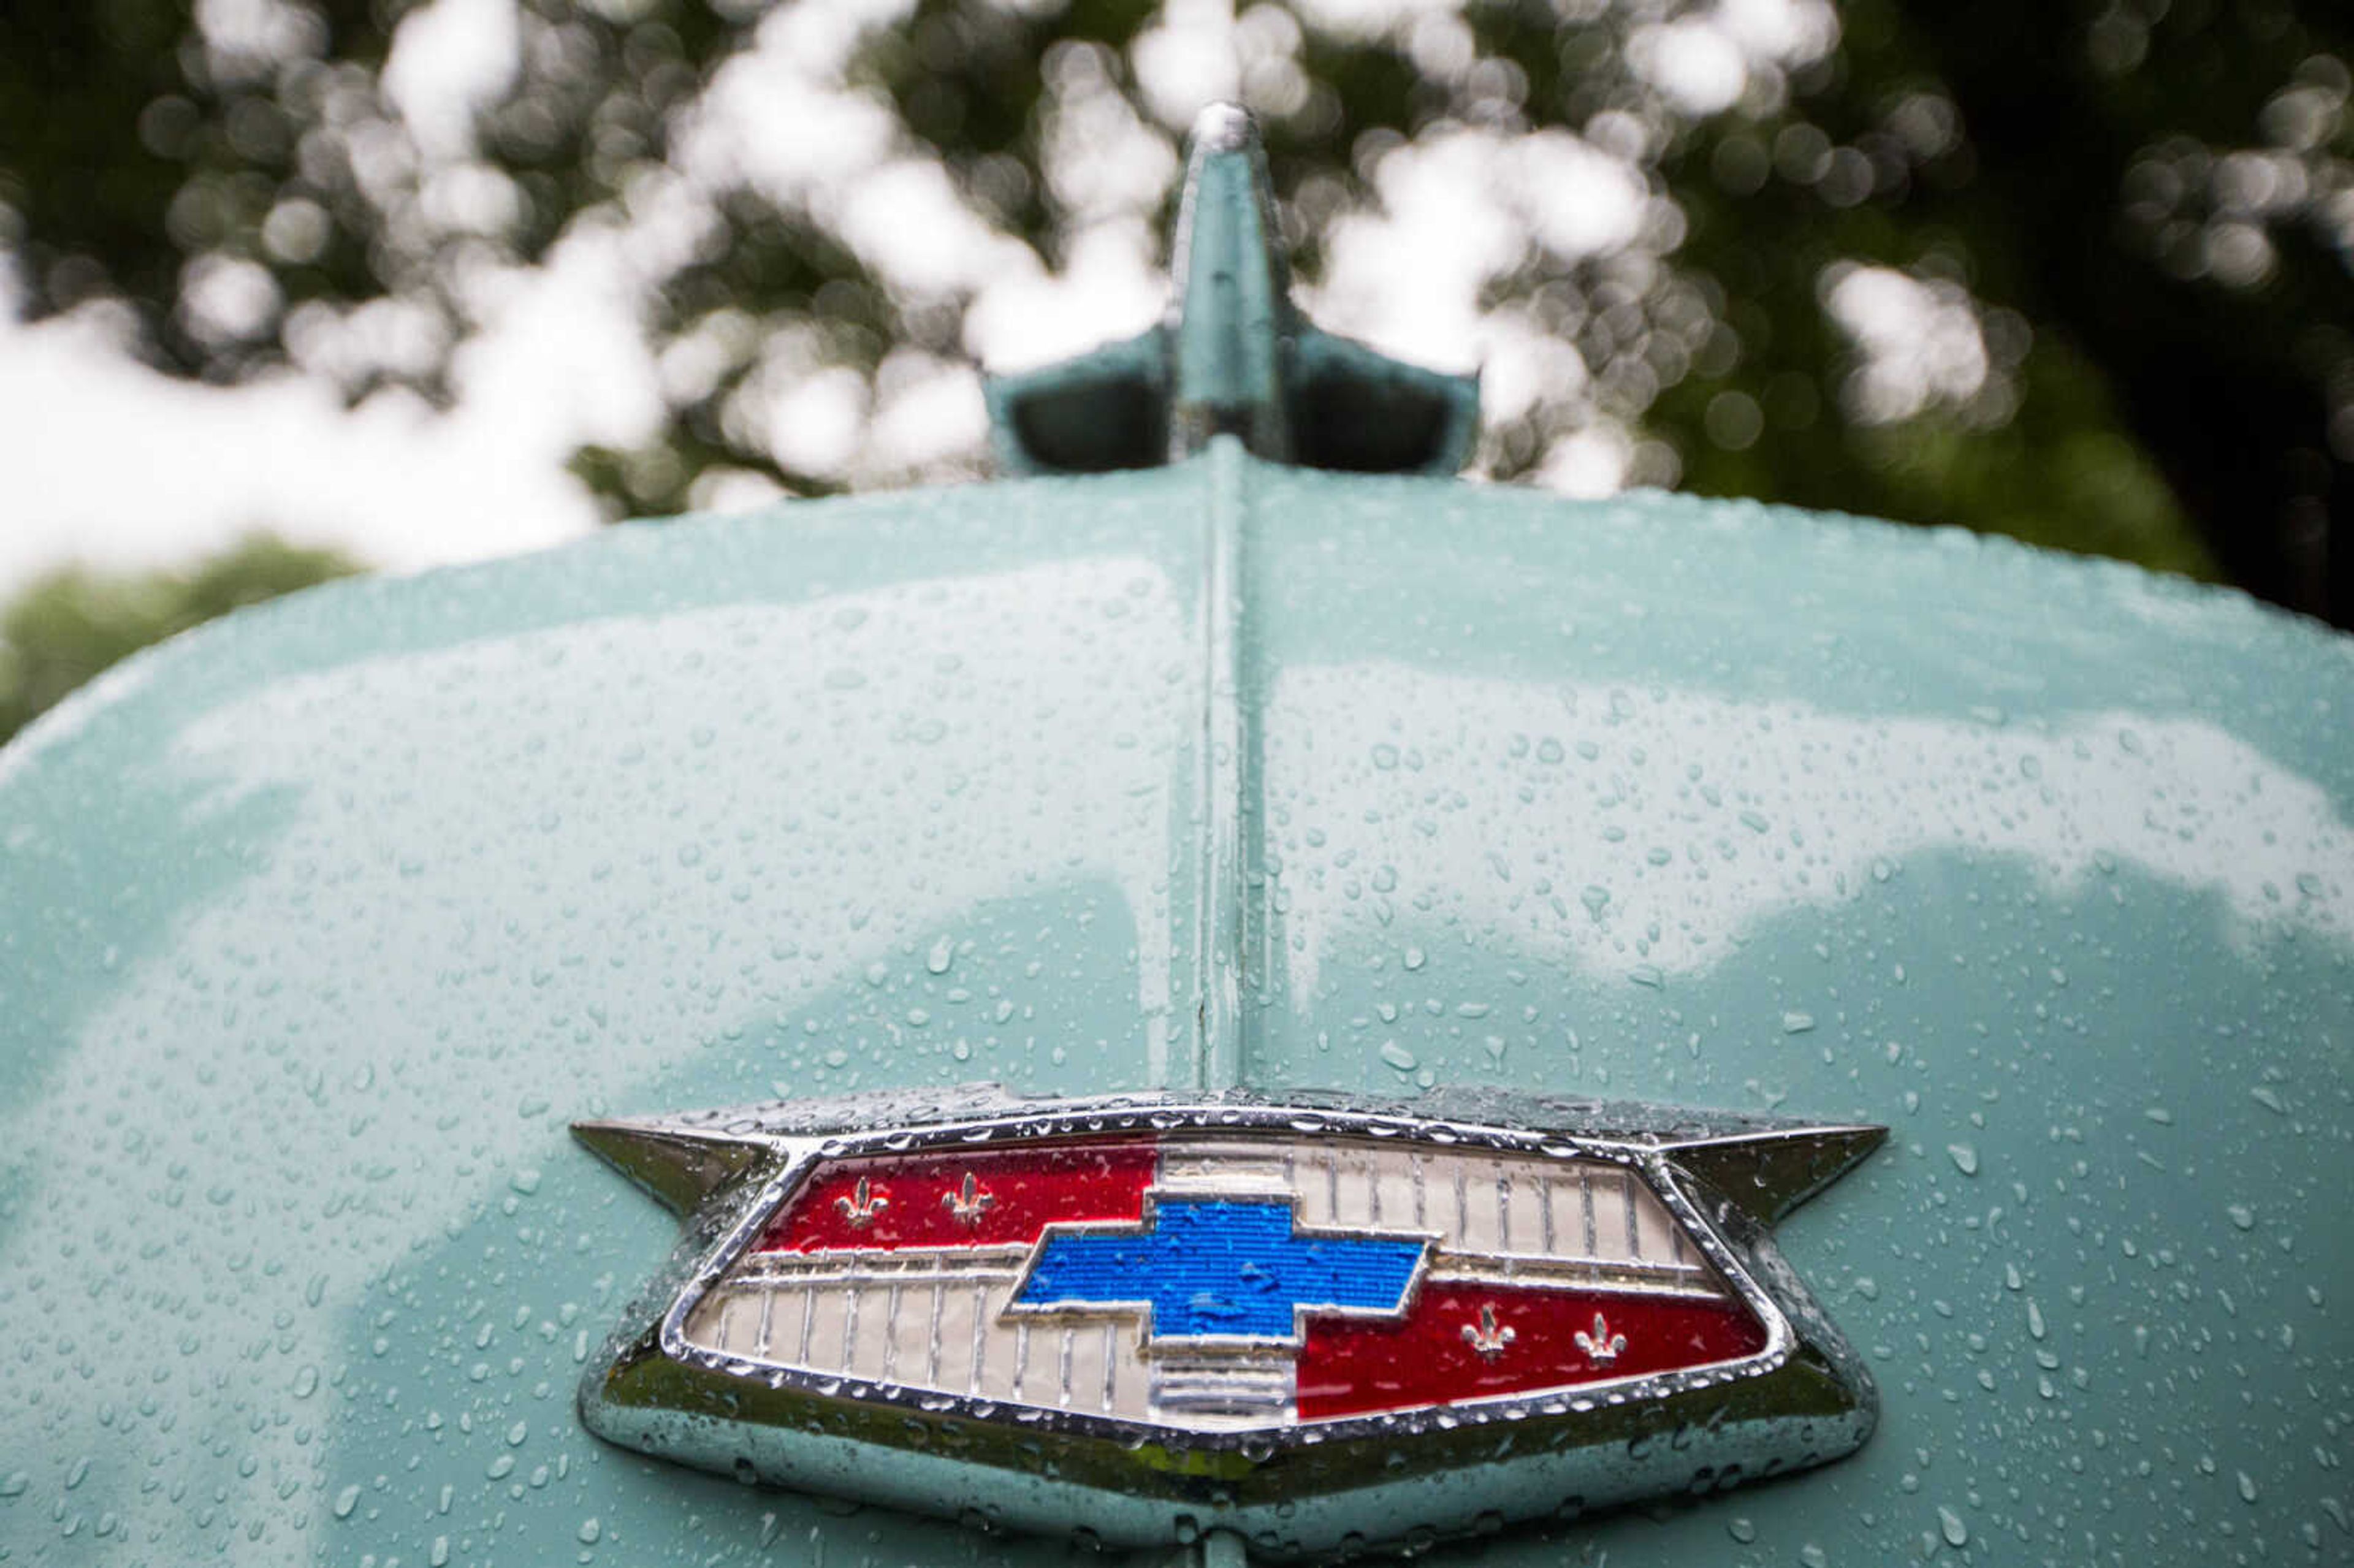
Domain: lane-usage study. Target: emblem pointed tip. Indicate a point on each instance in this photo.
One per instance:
(597, 1134)
(1769, 1173)
(677, 1167)
(602, 1135)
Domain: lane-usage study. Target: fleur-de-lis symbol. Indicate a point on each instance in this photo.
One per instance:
(1486, 1337)
(861, 1208)
(968, 1203)
(1602, 1346)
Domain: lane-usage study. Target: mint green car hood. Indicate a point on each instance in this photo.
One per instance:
(320, 924)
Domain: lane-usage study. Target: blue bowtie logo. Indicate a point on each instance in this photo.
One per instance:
(1220, 1268)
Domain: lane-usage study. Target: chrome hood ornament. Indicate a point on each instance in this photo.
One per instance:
(1322, 1326)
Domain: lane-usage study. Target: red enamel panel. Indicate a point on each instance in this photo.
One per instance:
(924, 1200)
(1354, 1368)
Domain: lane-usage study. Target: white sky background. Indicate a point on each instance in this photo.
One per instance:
(115, 465)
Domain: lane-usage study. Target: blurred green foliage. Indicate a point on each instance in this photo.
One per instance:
(2141, 212)
(66, 627)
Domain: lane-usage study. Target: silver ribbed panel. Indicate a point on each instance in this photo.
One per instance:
(1215, 1388)
(1491, 1212)
(917, 1322)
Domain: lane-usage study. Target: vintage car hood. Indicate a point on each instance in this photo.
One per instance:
(320, 925)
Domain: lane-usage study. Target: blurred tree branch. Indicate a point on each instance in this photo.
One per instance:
(2120, 230)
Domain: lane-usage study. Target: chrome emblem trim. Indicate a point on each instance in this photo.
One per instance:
(1212, 1443)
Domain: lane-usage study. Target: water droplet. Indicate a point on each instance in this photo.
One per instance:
(1741, 1528)
(1956, 1533)
(942, 955)
(591, 1529)
(1965, 1159)
(1797, 1022)
(346, 1501)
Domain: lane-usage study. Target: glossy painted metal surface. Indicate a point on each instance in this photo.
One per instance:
(320, 925)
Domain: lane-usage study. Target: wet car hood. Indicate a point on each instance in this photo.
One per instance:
(322, 925)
